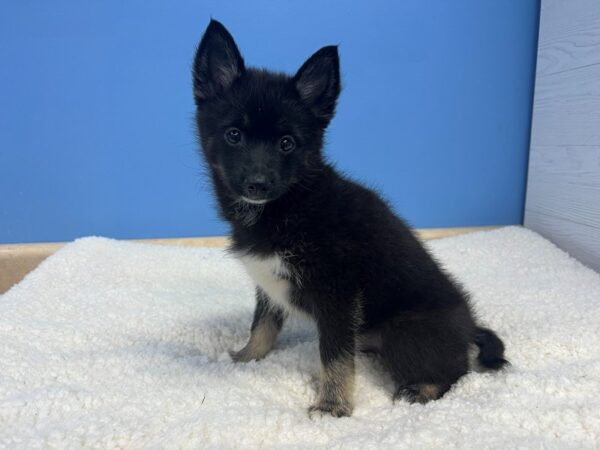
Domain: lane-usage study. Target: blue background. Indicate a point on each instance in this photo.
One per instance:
(96, 111)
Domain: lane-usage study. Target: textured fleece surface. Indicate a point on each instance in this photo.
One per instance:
(115, 344)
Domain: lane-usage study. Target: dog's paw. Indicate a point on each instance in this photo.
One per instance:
(241, 356)
(420, 393)
(335, 409)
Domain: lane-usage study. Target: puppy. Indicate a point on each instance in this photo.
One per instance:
(320, 244)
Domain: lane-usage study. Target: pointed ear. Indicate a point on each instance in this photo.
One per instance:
(318, 82)
(218, 62)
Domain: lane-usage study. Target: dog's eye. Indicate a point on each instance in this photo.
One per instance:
(233, 136)
(287, 144)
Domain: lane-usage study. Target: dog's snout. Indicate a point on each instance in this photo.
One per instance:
(257, 186)
(257, 189)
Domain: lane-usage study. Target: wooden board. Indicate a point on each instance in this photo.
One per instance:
(579, 240)
(566, 184)
(569, 35)
(567, 108)
(563, 188)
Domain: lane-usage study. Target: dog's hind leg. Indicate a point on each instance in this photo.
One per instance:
(425, 357)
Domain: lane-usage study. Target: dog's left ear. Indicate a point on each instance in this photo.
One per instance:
(318, 82)
(218, 62)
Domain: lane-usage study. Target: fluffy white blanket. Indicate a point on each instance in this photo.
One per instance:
(117, 344)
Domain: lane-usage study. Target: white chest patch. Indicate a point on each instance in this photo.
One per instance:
(273, 276)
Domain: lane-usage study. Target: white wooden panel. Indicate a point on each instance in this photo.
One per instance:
(580, 241)
(563, 187)
(561, 18)
(565, 87)
(566, 184)
(569, 40)
(567, 122)
(567, 108)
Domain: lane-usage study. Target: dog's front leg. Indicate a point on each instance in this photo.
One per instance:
(337, 345)
(267, 322)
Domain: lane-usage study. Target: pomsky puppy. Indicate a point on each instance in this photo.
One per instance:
(320, 244)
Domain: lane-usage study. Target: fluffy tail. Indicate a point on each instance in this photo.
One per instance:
(491, 349)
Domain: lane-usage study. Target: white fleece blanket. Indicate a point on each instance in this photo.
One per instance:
(113, 344)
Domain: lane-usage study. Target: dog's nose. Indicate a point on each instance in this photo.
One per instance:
(257, 186)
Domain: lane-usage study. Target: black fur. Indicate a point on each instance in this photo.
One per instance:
(351, 263)
(491, 349)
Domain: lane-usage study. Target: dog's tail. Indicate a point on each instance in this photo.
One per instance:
(491, 349)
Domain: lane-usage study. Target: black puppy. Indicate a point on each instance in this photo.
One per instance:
(318, 243)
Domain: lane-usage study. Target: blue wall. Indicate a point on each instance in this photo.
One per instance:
(96, 112)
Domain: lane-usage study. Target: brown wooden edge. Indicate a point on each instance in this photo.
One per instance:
(17, 260)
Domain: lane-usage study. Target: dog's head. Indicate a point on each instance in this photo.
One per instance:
(261, 131)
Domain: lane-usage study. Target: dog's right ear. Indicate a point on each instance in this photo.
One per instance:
(218, 62)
